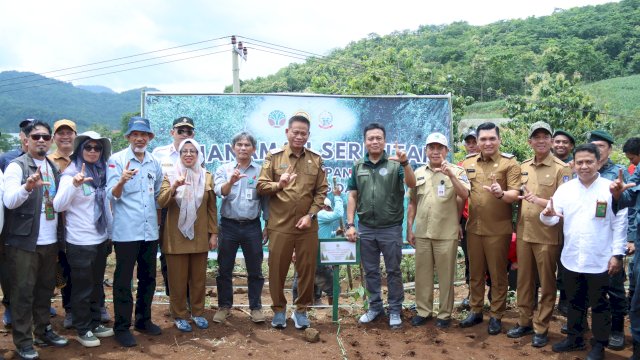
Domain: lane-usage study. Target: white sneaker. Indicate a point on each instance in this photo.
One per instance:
(395, 320)
(88, 340)
(369, 316)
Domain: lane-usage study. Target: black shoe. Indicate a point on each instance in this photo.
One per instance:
(27, 353)
(442, 323)
(148, 328)
(50, 337)
(125, 338)
(471, 320)
(465, 304)
(563, 307)
(540, 340)
(519, 331)
(636, 351)
(495, 326)
(616, 341)
(564, 329)
(596, 353)
(568, 345)
(418, 320)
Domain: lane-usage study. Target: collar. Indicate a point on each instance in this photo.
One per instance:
(383, 158)
(288, 152)
(251, 163)
(548, 160)
(495, 158)
(607, 165)
(58, 155)
(132, 156)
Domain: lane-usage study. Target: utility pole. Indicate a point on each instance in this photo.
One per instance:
(237, 51)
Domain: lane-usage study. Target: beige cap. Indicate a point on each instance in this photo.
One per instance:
(437, 138)
(64, 122)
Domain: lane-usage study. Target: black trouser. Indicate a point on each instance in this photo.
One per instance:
(128, 253)
(87, 264)
(66, 273)
(463, 244)
(579, 288)
(34, 278)
(5, 278)
(618, 300)
(163, 260)
(560, 281)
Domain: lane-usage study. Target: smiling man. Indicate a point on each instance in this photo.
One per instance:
(563, 144)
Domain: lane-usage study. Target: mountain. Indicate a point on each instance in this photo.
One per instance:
(23, 95)
(98, 89)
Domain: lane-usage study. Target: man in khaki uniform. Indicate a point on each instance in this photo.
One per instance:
(295, 180)
(538, 245)
(440, 186)
(495, 184)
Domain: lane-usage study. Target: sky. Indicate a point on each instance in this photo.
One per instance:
(45, 36)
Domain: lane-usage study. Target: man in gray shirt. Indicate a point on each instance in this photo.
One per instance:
(235, 183)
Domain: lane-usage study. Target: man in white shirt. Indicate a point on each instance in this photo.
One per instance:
(594, 243)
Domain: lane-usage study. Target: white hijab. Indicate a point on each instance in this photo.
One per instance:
(189, 196)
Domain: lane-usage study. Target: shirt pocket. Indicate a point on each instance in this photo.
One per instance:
(546, 186)
(310, 174)
(133, 185)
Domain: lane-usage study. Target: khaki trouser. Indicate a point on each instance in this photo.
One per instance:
(537, 259)
(281, 248)
(488, 254)
(442, 254)
(183, 270)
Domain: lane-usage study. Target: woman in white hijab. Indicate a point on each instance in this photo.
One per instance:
(190, 231)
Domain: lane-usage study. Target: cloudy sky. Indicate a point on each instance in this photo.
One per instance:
(45, 36)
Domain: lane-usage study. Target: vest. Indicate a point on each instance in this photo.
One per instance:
(380, 193)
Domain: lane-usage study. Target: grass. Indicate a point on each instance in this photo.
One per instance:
(485, 110)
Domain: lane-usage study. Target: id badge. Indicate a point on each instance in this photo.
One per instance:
(601, 209)
(441, 189)
(86, 190)
(248, 195)
(48, 207)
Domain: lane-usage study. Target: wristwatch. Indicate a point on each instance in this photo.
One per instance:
(313, 216)
(349, 226)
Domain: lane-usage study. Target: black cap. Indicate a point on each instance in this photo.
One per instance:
(26, 122)
(472, 133)
(562, 132)
(183, 121)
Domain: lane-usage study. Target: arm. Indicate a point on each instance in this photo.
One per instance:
(320, 190)
(266, 181)
(351, 214)
(165, 198)
(411, 215)
(220, 179)
(331, 216)
(409, 176)
(66, 193)
(513, 183)
(15, 193)
(619, 229)
(212, 217)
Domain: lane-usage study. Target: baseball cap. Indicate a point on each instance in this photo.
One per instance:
(565, 133)
(64, 122)
(539, 125)
(26, 122)
(327, 202)
(137, 123)
(437, 138)
(183, 121)
(471, 132)
(600, 135)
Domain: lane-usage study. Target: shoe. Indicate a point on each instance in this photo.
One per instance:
(148, 328)
(636, 351)
(418, 320)
(395, 321)
(102, 331)
(50, 338)
(369, 316)
(563, 307)
(257, 316)
(52, 311)
(471, 320)
(200, 321)
(125, 338)
(27, 353)
(443, 323)
(567, 345)
(88, 340)
(519, 331)
(105, 317)
(495, 326)
(68, 321)
(616, 341)
(465, 304)
(540, 340)
(564, 329)
(318, 302)
(221, 315)
(6, 317)
(596, 353)
(183, 325)
(300, 320)
(279, 320)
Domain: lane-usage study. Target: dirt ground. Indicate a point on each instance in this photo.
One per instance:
(239, 338)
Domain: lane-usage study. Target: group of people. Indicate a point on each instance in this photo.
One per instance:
(64, 210)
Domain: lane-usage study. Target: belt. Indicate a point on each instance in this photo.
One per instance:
(240, 221)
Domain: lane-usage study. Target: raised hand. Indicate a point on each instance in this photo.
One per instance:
(445, 167)
(495, 188)
(618, 186)
(400, 155)
(35, 181)
(527, 195)
(80, 179)
(127, 174)
(287, 178)
(181, 180)
(236, 176)
(550, 210)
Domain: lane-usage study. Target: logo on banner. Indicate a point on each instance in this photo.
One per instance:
(277, 118)
(326, 120)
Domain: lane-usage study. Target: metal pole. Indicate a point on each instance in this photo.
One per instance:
(336, 291)
(235, 70)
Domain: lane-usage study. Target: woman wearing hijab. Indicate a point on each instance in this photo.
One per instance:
(82, 197)
(190, 231)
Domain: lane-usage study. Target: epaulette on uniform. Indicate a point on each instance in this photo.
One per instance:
(560, 162)
(469, 156)
(528, 160)
(507, 155)
(313, 151)
(276, 151)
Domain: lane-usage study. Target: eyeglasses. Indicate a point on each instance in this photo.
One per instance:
(188, 151)
(36, 137)
(187, 132)
(96, 148)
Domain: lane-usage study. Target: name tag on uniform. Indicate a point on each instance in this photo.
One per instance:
(601, 209)
(248, 195)
(363, 173)
(441, 189)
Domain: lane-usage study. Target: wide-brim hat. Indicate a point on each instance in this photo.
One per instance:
(138, 123)
(92, 135)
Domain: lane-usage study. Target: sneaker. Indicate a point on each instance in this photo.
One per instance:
(221, 315)
(395, 320)
(27, 352)
(125, 338)
(102, 331)
(147, 327)
(279, 320)
(369, 316)
(257, 316)
(183, 325)
(68, 321)
(6, 318)
(50, 338)
(300, 320)
(105, 317)
(88, 340)
(200, 322)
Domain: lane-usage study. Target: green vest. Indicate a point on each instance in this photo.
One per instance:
(380, 193)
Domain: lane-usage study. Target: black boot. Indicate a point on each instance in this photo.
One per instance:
(636, 351)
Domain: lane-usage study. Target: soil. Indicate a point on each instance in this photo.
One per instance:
(239, 338)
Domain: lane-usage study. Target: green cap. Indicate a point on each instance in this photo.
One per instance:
(565, 133)
(539, 125)
(600, 135)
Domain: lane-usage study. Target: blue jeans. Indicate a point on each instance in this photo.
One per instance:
(634, 309)
(247, 236)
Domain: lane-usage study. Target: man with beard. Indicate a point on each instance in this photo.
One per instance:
(134, 178)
